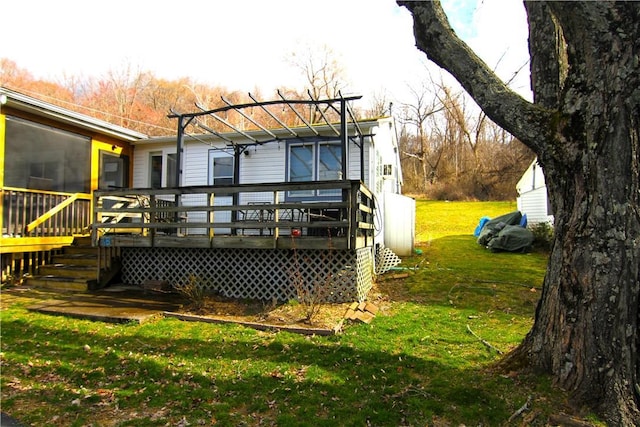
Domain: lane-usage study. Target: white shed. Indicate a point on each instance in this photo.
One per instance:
(533, 200)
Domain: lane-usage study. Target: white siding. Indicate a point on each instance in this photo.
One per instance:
(532, 195)
(385, 149)
(141, 157)
(532, 179)
(534, 205)
(264, 163)
(195, 164)
(354, 161)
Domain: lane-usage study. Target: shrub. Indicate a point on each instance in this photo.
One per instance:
(193, 291)
(542, 234)
(311, 287)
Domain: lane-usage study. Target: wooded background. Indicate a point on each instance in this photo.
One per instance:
(449, 149)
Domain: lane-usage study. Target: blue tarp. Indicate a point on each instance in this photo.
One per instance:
(505, 233)
(481, 224)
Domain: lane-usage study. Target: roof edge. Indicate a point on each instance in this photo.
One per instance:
(40, 108)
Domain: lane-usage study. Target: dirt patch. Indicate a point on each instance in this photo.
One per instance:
(290, 315)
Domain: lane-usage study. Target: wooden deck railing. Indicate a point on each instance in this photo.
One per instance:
(35, 213)
(226, 216)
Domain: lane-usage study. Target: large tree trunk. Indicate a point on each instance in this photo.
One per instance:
(584, 127)
(586, 329)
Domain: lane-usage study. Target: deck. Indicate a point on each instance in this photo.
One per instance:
(253, 241)
(255, 216)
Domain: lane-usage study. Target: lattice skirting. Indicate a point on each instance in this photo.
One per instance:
(258, 274)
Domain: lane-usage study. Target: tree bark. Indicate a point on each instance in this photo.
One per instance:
(584, 127)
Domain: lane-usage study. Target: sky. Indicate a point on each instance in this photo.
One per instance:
(248, 44)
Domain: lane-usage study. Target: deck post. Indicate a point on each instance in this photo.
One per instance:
(344, 138)
(153, 205)
(353, 218)
(276, 213)
(210, 203)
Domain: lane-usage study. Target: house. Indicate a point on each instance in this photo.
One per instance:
(266, 211)
(532, 199)
(260, 212)
(52, 159)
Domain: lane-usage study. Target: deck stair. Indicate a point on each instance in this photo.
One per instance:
(75, 269)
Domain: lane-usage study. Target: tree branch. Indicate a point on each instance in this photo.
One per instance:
(530, 123)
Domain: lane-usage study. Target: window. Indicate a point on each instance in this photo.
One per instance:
(221, 168)
(159, 174)
(172, 169)
(46, 158)
(113, 171)
(155, 179)
(314, 161)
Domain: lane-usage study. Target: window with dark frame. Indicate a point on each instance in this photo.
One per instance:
(314, 161)
(155, 177)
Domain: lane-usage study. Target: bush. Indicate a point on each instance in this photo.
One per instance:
(543, 235)
(193, 291)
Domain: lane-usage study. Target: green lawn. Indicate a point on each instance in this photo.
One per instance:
(415, 364)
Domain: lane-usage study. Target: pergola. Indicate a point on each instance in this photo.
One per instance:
(240, 140)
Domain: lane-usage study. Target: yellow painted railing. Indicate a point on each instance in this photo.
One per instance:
(35, 213)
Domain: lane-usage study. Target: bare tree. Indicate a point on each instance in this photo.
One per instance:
(425, 104)
(324, 75)
(380, 105)
(584, 127)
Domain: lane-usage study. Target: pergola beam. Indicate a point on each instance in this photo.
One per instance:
(298, 114)
(246, 116)
(339, 105)
(226, 123)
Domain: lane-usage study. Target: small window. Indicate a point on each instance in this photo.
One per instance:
(387, 170)
(172, 169)
(221, 168)
(155, 178)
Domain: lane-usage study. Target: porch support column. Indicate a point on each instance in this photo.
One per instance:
(362, 159)
(344, 138)
(179, 145)
(237, 151)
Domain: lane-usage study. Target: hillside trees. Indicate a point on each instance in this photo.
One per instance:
(451, 150)
(583, 125)
(437, 132)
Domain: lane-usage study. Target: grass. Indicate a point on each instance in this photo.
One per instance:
(415, 364)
